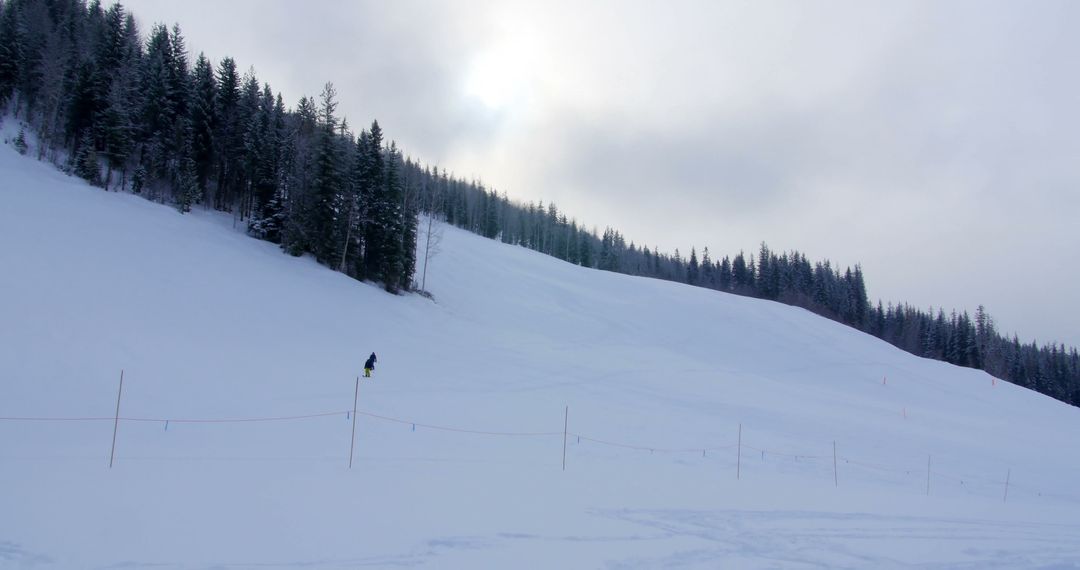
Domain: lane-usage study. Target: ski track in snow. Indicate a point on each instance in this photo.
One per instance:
(13, 555)
(746, 539)
(790, 539)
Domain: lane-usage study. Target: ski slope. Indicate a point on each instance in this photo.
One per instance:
(700, 427)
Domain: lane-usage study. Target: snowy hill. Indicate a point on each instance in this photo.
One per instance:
(239, 366)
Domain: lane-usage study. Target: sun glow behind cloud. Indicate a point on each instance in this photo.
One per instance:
(497, 80)
(504, 76)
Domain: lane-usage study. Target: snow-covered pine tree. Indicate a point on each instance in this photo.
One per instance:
(203, 113)
(265, 150)
(393, 262)
(275, 163)
(20, 142)
(158, 116)
(408, 219)
(375, 203)
(252, 120)
(299, 172)
(117, 130)
(11, 52)
(724, 279)
(354, 207)
(708, 270)
(187, 185)
(741, 277)
(84, 163)
(693, 268)
(227, 136)
(585, 250)
(327, 184)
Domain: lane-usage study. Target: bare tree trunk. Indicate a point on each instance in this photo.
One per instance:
(348, 234)
(427, 252)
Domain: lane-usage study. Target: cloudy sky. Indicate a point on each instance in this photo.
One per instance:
(936, 143)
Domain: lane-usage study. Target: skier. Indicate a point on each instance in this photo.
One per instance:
(369, 365)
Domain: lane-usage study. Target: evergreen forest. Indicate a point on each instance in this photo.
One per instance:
(130, 110)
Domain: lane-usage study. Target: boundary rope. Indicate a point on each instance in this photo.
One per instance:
(581, 437)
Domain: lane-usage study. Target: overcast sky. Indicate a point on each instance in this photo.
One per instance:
(936, 143)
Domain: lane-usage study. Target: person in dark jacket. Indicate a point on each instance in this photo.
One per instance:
(369, 365)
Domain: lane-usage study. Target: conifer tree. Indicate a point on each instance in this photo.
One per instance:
(741, 277)
(354, 208)
(20, 142)
(252, 122)
(11, 51)
(725, 279)
(227, 137)
(117, 129)
(708, 269)
(275, 163)
(606, 254)
(585, 250)
(84, 163)
(203, 120)
(693, 269)
(265, 148)
(120, 117)
(159, 111)
(327, 182)
(394, 263)
(187, 186)
(296, 236)
(376, 205)
(80, 103)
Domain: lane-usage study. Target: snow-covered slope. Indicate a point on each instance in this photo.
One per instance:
(654, 382)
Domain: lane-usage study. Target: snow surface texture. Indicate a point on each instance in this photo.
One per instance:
(208, 324)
